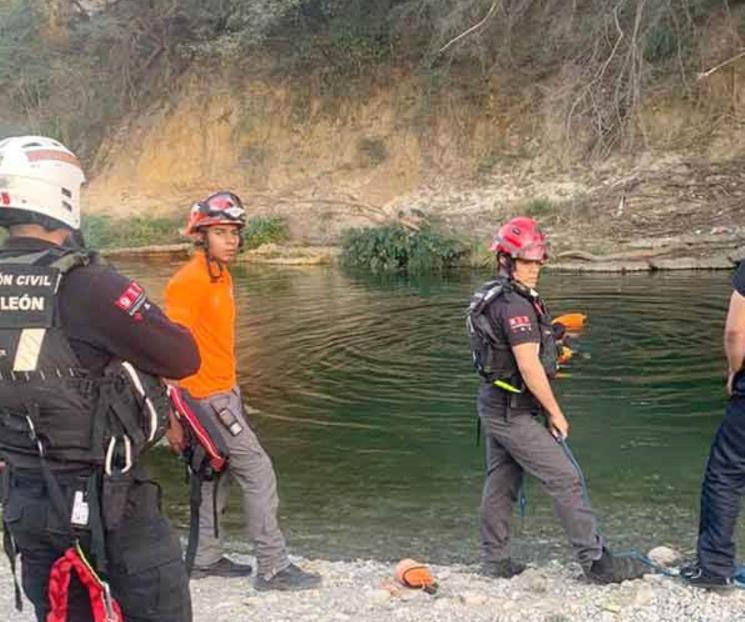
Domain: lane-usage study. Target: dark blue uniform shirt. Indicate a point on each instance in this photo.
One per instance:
(738, 280)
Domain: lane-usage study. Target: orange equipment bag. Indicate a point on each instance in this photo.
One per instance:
(414, 574)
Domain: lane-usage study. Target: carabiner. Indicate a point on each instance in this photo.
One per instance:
(108, 464)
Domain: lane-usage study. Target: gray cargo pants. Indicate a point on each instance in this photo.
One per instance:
(252, 470)
(516, 443)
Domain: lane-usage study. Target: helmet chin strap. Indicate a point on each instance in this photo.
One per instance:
(204, 243)
(75, 239)
(506, 265)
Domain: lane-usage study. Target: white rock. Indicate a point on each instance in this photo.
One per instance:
(533, 580)
(611, 606)
(643, 595)
(412, 594)
(378, 596)
(665, 556)
(473, 599)
(442, 603)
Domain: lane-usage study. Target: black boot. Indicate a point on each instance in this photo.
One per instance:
(696, 576)
(501, 569)
(615, 569)
(290, 579)
(223, 567)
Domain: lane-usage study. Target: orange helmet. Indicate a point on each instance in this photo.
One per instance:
(221, 208)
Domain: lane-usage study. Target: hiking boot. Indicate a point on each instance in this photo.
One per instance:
(501, 569)
(223, 567)
(290, 579)
(695, 576)
(615, 568)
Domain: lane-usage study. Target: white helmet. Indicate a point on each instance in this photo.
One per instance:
(40, 182)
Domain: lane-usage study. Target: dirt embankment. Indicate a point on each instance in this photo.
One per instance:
(373, 156)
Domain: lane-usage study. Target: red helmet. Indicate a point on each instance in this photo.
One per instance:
(520, 238)
(221, 208)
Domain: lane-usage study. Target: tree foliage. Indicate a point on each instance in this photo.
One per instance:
(73, 67)
(73, 72)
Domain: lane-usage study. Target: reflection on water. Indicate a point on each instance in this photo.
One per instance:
(361, 389)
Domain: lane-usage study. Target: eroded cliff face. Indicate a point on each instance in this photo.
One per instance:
(293, 153)
(327, 163)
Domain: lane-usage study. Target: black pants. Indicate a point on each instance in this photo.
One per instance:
(145, 569)
(722, 490)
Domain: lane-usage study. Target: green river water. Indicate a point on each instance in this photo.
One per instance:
(362, 391)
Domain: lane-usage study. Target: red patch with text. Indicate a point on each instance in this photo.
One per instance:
(131, 300)
(519, 323)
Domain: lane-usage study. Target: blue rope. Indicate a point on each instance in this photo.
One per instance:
(632, 553)
(522, 499)
(644, 559)
(563, 443)
(739, 578)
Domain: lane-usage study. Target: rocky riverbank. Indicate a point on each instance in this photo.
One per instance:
(717, 250)
(691, 252)
(266, 254)
(365, 591)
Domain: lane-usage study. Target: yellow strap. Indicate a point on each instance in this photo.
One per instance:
(506, 386)
(84, 559)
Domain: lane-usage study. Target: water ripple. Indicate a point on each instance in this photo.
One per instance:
(363, 393)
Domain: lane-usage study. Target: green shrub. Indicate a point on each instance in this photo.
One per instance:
(264, 230)
(661, 42)
(393, 248)
(102, 231)
(373, 150)
(538, 208)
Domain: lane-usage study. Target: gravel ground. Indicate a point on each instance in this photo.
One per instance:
(365, 591)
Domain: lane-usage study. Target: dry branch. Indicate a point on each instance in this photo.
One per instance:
(473, 28)
(708, 72)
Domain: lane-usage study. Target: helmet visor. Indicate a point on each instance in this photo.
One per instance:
(534, 252)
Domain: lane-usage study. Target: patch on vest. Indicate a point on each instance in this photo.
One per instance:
(131, 300)
(27, 296)
(519, 324)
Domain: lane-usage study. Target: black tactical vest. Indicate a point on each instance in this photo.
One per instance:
(48, 402)
(492, 356)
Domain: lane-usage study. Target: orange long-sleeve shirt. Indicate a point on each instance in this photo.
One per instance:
(207, 309)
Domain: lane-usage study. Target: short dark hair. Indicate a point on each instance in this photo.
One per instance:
(11, 217)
